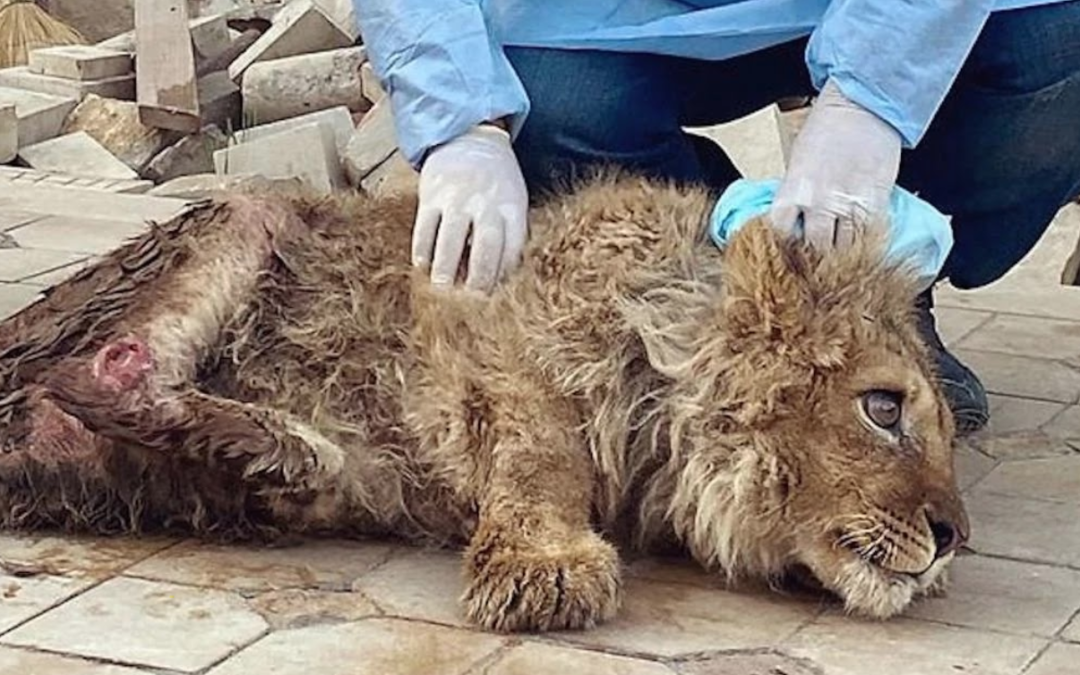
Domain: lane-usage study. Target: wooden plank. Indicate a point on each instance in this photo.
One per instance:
(166, 87)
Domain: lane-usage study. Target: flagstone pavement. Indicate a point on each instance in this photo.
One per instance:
(76, 606)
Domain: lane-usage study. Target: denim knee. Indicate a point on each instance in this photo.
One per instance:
(1027, 50)
(590, 109)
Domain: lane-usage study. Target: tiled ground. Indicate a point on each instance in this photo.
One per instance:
(123, 607)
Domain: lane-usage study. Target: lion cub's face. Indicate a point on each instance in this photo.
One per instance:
(806, 428)
(870, 505)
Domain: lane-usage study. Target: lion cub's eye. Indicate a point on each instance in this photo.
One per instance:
(883, 408)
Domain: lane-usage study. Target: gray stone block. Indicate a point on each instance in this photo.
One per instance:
(281, 88)
(337, 120)
(374, 140)
(307, 152)
(115, 124)
(299, 28)
(191, 155)
(9, 132)
(40, 116)
(20, 77)
(76, 154)
(369, 83)
(79, 62)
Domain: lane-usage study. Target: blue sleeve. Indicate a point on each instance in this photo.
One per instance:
(442, 69)
(897, 58)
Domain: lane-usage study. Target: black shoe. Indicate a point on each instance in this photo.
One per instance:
(963, 391)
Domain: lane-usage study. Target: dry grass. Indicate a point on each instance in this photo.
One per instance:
(25, 27)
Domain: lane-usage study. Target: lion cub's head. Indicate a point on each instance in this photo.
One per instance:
(806, 429)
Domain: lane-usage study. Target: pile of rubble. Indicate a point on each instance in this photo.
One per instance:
(201, 94)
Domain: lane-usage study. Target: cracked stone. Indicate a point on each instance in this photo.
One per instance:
(540, 659)
(1004, 595)
(1060, 659)
(1009, 414)
(1024, 529)
(145, 623)
(418, 585)
(369, 647)
(845, 646)
(17, 264)
(22, 597)
(971, 465)
(1021, 445)
(313, 565)
(297, 608)
(77, 556)
(747, 664)
(674, 619)
(19, 662)
(116, 126)
(1023, 376)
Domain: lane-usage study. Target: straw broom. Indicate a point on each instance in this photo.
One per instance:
(24, 27)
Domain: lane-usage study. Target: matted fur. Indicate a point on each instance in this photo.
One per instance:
(272, 363)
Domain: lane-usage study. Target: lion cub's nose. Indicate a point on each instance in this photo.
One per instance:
(947, 538)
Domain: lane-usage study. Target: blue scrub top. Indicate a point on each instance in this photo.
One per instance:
(442, 64)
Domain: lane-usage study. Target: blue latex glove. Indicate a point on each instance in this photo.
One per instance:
(919, 234)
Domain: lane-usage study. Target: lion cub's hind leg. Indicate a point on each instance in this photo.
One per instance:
(534, 562)
(116, 395)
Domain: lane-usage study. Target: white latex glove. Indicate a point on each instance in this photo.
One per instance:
(843, 168)
(471, 191)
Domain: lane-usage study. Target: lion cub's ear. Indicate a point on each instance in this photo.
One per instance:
(673, 320)
(763, 282)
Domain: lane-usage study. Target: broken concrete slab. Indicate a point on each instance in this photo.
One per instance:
(245, 10)
(20, 77)
(68, 203)
(219, 100)
(13, 175)
(191, 155)
(239, 44)
(374, 140)
(337, 120)
(165, 66)
(343, 14)
(277, 89)
(307, 152)
(76, 154)
(209, 36)
(299, 28)
(124, 42)
(393, 177)
(205, 185)
(40, 116)
(369, 83)
(79, 62)
(9, 133)
(116, 126)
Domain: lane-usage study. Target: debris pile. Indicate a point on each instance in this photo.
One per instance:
(203, 93)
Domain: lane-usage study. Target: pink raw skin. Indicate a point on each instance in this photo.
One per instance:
(123, 365)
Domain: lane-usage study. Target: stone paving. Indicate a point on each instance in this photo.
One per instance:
(75, 606)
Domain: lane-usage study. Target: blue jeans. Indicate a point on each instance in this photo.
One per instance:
(1001, 157)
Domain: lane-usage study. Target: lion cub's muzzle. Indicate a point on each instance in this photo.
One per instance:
(934, 532)
(950, 531)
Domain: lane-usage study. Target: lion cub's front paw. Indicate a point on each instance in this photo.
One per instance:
(547, 586)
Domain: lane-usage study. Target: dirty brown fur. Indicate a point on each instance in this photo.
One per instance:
(272, 363)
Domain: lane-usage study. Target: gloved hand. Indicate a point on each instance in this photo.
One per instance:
(843, 167)
(471, 191)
